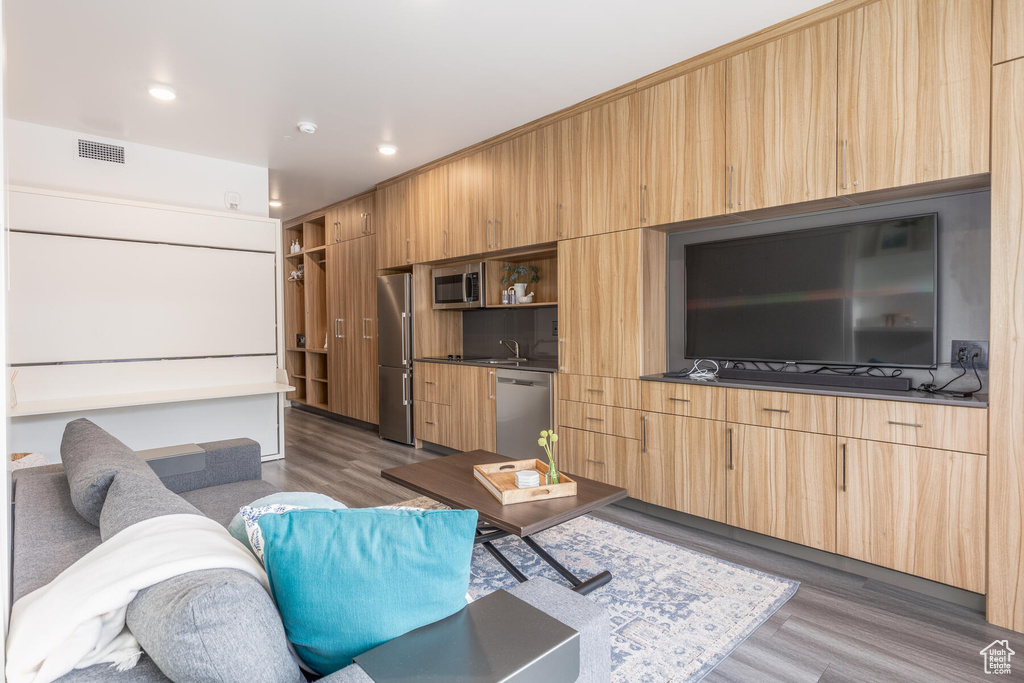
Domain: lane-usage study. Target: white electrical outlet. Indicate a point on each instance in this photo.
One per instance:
(232, 200)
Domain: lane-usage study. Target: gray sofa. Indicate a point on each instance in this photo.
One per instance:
(50, 534)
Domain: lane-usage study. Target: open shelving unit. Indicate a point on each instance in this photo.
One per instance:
(545, 289)
(306, 312)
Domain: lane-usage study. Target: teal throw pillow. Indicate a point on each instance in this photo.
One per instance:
(346, 581)
(299, 499)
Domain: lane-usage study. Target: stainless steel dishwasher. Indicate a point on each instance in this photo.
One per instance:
(524, 409)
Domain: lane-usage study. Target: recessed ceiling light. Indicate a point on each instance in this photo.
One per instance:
(162, 92)
(307, 127)
(274, 204)
(387, 149)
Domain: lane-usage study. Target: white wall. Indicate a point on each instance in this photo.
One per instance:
(158, 198)
(41, 156)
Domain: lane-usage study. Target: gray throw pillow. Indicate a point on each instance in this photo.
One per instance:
(91, 458)
(212, 625)
(134, 497)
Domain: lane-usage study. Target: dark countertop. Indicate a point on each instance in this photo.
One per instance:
(976, 401)
(535, 365)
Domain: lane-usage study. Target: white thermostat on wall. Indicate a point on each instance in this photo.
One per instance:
(232, 200)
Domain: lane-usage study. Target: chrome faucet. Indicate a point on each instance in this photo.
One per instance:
(513, 346)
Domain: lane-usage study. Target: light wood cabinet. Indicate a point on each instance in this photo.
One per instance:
(432, 382)
(782, 483)
(600, 305)
(473, 407)
(394, 242)
(611, 459)
(622, 393)
(432, 422)
(913, 92)
(471, 204)
(607, 165)
(598, 418)
(569, 173)
(525, 189)
(359, 217)
(688, 400)
(915, 510)
(915, 424)
(352, 329)
(782, 121)
(683, 464)
(428, 206)
(1007, 30)
(682, 147)
(782, 410)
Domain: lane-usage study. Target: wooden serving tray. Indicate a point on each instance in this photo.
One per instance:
(500, 479)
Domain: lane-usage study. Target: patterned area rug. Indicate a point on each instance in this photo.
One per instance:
(675, 613)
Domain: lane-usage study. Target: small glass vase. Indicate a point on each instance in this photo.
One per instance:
(552, 475)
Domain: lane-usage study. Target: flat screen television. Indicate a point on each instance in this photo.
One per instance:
(851, 295)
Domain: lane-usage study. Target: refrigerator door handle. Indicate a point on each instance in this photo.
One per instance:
(405, 389)
(404, 327)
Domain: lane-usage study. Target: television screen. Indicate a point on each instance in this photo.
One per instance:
(861, 294)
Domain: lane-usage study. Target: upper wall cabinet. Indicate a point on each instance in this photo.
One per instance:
(428, 206)
(913, 92)
(682, 147)
(525, 190)
(1007, 30)
(394, 247)
(470, 202)
(782, 121)
(601, 150)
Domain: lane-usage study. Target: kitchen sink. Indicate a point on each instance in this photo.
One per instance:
(495, 361)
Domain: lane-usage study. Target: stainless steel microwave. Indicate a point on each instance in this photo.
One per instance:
(459, 286)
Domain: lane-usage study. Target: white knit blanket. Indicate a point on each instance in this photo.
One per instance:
(78, 619)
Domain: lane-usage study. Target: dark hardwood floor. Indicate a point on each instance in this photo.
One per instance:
(838, 626)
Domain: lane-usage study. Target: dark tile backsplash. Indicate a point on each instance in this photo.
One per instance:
(534, 328)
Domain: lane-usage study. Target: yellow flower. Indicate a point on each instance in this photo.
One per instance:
(542, 442)
(554, 437)
(544, 432)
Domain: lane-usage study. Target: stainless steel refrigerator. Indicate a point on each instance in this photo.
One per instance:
(394, 355)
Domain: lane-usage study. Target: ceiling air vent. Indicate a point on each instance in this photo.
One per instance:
(100, 151)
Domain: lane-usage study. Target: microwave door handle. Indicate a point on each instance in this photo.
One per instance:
(465, 287)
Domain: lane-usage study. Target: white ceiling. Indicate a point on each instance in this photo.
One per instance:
(431, 76)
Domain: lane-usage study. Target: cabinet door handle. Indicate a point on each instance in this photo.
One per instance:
(643, 203)
(407, 260)
(729, 445)
(905, 424)
(681, 400)
(558, 219)
(596, 462)
(643, 433)
(596, 391)
(444, 242)
(426, 382)
(337, 334)
(844, 467)
(596, 419)
(342, 335)
(490, 242)
(844, 164)
(429, 422)
(367, 335)
(774, 410)
(729, 183)
(369, 226)
(561, 356)
(490, 384)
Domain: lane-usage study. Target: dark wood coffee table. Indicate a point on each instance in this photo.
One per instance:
(449, 480)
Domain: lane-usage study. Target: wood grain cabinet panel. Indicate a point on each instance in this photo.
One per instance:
(782, 121)
(682, 147)
(914, 81)
(1005, 601)
(783, 410)
(915, 510)
(598, 418)
(609, 167)
(613, 460)
(470, 202)
(394, 242)
(1007, 30)
(432, 382)
(683, 464)
(915, 424)
(621, 393)
(782, 483)
(525, 189)
(358, 218)
(432, 423)
(689, 400)
(568, 175)
(428, 192)
(601, 327)
(474, 415)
